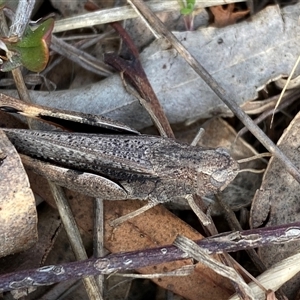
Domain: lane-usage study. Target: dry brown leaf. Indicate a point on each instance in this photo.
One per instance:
(153, 228)
(157, 227)
(225, 15)
(18, 218)
(278, 201)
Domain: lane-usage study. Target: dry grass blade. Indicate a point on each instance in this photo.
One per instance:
(74, 237)
(99, 237)
(204, 219)
(285, 88)
(62, 118)
(125, 12)
(275, 276)
(201, 255)
(80, 57)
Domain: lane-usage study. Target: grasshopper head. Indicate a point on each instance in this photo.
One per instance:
(216, 171)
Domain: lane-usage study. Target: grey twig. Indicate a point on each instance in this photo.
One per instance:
(287, 100)
(22, 18)
(73, 235)
(99, 237)
(225, 242)
(82, 58)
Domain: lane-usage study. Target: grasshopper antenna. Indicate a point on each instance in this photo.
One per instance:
(258, 156)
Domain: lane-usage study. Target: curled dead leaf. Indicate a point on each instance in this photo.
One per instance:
(18, 218)
(227, 14)
(277, 201)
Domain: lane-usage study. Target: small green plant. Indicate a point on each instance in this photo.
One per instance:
(32, 51)
(187, 9)
(187, 6)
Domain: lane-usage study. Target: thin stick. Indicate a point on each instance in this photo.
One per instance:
(198, 137)
(74, 237)
(131, 215)
(202, 256)
(137, 259)
(258, 156)
(204, 219)
(116, 14)
(22, 17)
(284, 89)
(99, 238)
(80, 57)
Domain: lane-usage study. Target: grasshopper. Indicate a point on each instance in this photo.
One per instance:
(117, 167)
(138, 167)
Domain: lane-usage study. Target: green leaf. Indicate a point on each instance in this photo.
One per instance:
(32, 50)
(188, 7)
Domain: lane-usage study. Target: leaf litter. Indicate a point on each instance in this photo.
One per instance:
(263, 65)
(244, 57)
(16, 234)
(277, 201)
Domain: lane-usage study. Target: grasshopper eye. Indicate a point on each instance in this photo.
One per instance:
(219, 177)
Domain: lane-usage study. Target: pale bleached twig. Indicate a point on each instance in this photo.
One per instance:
(22, 17)
(275, 276)
(82, 58)
(202, 256)
(73, 233)
(125, 12)
(99, 237)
